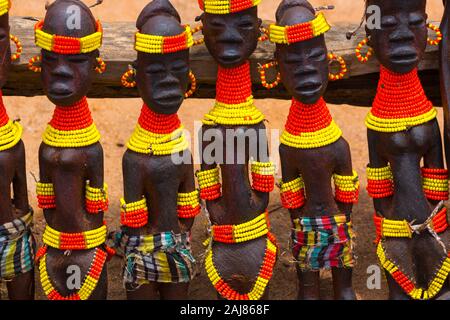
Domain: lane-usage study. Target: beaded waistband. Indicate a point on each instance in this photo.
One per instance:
(74, 241)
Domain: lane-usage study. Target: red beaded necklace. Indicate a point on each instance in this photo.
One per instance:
(400, 96)
(75, 117)
(308, 117)
(234, 85)
(3, 115)
(158, 123)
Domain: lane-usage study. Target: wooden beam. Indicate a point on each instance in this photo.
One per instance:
(358, 88)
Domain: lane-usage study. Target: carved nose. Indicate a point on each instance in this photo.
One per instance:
(62, 70)
(230, 35)
(402, 35)
(305, 70)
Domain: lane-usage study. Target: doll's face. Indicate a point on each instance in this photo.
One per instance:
(401, 42)
(162, 80)
(231, 38)
(304, 69)
(5, 49)
(67, 78)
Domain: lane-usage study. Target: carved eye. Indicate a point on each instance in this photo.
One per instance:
(179, 67)
(155, 69)
(416, 20)
(246, 25)
(388, 22)
(3, 36)
(317, 55)
(78, 59)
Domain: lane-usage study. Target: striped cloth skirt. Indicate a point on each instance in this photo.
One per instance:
(323, 242)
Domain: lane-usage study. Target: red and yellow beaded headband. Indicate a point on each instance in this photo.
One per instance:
(226, 6)
(5, 5)
(68, 45)
(149, 43)
(299, 32)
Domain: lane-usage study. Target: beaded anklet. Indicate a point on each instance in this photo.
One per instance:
(71, 127)
(346, 188)
(188, 205)
(237, 108)
(209, 184)
(158, 134)
(262, 280)
(263, 179)
(10, 131)
(400, 103)
(74, 241)
(310, 126)
(89, 283)
(380, 182)
(135, 214)
(435, 183)
(293, 193)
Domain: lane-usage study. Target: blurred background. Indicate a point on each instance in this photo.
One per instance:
(116, 119)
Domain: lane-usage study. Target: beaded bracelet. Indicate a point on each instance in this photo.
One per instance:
(153, 44)
(380, 182)
(262, 280)
(188, 204)
(68, 45)
(74, 241)
(292, 193)
(135, 214)
(45, 195)
(299, 32)
(435, 183)
(89, 284)
(346, 188)
(226, 6)
(96, 199)
(263, 179)
(209, 184)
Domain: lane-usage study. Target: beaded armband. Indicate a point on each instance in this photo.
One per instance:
(74, 241)
(68, 45)
(89, 283)
(264, 276)
(209, 184)
(293, 193)
(263, 179)
(96, 199)
(299, 32)
(45, 195)
(135, 214)
(153, 44)
(244, 232)
(435, 183)
(188, 205)
(380, 182)
(226, 6)
(10, 135)
(5, 5)
(346, 188)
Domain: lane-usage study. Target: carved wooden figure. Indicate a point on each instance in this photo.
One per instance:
(313, 152)
(16, 240)
(241, 252)
(71, 190)
(406, 173)
(160, 201)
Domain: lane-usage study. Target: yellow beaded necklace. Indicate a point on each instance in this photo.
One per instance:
(10, 135)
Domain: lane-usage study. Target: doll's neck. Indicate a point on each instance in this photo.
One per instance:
(400, 96)
(158, 123)
(74, 117)
(234, 85)
(3, 114)
(308, 117)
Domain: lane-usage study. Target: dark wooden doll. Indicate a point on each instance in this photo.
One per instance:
(71, 189)
(242, 252)
(406, 173)
(313, 152)
(16, 216)
(160, 201)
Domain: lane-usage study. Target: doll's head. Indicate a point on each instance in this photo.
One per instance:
(162, 71)
(5, 47)
(401, 41)
(68, 63)
(302, 62)
(231, 36)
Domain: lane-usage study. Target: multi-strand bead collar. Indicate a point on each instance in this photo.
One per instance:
(157, 134)
(400, 103)
(310, 126)
(71, 127)
(10, 131)
(5, 5)
(234, 101)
